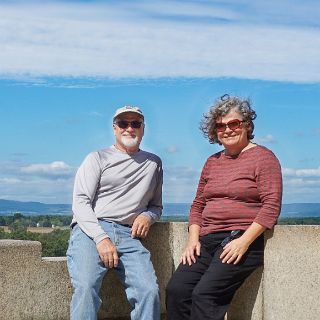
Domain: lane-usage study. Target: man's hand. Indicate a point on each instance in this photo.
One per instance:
(141, 226)
(108, 253)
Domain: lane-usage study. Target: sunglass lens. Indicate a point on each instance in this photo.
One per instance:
(221, 126)
(122, 124)
(234, 124)
(136, 124)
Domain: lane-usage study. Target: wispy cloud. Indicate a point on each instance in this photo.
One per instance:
(48, 191)
(301, 184)
(180, 184)
(172, 149)
(51, 182)
(311, 173)
(269, 138)
(9, 181)
(95, 114)
(269, 41)
(56, 170)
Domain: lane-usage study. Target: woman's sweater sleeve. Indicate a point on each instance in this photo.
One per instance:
(269, 183)
(195, 216)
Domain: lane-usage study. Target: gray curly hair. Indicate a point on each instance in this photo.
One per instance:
(222, 107)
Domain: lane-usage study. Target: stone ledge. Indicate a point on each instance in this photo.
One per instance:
(39, 288)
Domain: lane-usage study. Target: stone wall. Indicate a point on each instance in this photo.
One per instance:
(288, 288)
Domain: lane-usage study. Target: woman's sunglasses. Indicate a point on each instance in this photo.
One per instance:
(123, 124)
(232, 125)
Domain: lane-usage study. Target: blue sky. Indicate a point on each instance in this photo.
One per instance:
(65, 66)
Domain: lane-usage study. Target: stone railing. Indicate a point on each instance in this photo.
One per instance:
(288, 288)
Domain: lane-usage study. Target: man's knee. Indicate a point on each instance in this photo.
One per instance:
(152, 290)
(86, 283)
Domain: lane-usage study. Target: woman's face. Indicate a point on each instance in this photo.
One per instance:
(233, 136)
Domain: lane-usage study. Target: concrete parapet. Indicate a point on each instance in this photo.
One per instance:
(31, 287)
(291, 286)
(287, 288)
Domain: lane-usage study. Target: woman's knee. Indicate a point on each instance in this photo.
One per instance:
(175, 288)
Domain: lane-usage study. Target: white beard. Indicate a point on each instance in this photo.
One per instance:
(129, 142)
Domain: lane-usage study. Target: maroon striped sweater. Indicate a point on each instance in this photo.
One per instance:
(235, 191)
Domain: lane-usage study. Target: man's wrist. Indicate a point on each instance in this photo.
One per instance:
(101, 238)
(146, 214)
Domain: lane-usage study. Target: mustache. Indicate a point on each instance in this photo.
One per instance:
(128, 136)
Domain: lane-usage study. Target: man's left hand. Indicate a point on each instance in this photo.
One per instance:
(140, 227)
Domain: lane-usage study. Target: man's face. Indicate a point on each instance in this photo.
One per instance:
(128, 135)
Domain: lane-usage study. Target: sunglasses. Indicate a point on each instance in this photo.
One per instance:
(232, 125)
(123, 124)
(233, 235)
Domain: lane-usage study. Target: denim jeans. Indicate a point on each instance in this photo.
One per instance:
(135, 271)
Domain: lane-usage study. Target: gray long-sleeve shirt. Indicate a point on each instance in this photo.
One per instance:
(115, 186)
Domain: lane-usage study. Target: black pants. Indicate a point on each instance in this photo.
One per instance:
(205, 289)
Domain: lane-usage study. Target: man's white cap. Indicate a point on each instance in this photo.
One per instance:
(126, 109)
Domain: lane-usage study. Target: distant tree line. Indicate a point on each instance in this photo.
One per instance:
(55, 243)
(18, 221)
(302, 221)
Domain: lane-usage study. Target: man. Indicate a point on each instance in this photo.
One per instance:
(117, 196)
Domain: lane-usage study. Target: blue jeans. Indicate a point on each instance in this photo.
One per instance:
(135, 271)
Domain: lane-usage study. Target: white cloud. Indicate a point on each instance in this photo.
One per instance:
(51, 183)
(56, 169)
(302, 173)
(301, 185)
(165, 39)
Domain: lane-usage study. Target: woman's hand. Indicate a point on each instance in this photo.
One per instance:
(234, 251)
(191, 251)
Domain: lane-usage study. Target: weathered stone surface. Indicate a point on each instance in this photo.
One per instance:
(31, 288)
(288, 288)
(291, 286)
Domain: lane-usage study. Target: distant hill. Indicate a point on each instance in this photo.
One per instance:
(33, 208)
(292, 210)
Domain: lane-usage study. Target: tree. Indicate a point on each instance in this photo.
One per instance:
(3, 221)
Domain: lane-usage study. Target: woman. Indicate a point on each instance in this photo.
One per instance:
(238, 198)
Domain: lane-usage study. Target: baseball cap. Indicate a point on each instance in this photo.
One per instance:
(128, 109)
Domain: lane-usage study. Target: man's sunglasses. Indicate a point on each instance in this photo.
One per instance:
(123, 124)
(232, 125)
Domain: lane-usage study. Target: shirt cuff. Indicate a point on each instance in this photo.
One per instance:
(100, 237)
(154, 217)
